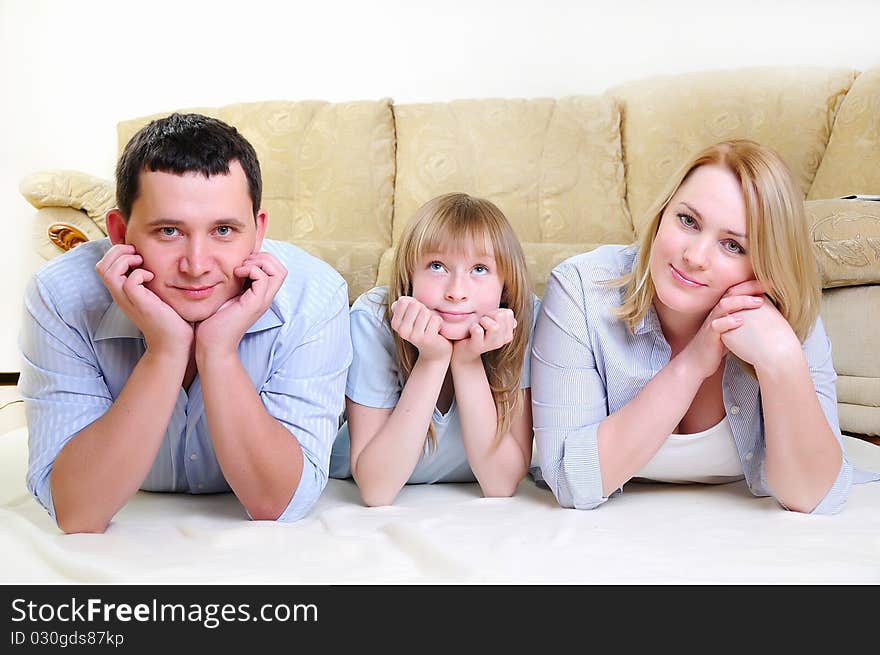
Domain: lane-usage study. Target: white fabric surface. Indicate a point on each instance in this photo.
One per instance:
(447, 533)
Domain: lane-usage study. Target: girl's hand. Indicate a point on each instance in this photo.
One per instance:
(763, 337)
(706, 350)
(421, 327)
(490, 333)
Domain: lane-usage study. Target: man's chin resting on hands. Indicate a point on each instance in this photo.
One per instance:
(177, 355)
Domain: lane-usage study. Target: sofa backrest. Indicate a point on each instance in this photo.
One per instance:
(669, 118)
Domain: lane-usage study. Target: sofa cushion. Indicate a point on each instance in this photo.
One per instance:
(850, 162)
(554, 167)
(328, 168)
(846, 239)
(667, 119)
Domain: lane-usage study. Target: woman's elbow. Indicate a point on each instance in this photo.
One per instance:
(70, 523)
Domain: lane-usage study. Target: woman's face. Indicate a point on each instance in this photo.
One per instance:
(701, 248)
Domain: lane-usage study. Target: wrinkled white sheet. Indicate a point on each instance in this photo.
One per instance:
(448, 534)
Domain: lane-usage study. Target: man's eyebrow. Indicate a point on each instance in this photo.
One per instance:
(693, 210)
(174, 222)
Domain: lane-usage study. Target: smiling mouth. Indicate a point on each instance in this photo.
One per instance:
(196, 292)
(684, 279)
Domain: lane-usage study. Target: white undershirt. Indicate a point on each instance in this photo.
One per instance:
(709, 457)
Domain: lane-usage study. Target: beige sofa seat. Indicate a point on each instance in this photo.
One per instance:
(571, 173)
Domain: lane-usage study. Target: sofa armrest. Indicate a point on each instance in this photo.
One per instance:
(846, 240)
(72, 208)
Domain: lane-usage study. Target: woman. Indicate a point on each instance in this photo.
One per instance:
(696, 355)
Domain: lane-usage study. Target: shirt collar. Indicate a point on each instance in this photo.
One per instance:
(116, 325)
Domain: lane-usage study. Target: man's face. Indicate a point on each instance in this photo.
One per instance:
(192, 233)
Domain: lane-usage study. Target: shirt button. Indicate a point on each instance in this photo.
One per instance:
(193, 457)
(749, 456)
(734, 409)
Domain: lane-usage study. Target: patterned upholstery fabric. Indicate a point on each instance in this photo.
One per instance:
(554, 167)
(669, 118)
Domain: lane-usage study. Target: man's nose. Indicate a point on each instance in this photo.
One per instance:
(194, 261)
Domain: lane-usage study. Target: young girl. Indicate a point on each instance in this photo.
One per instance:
(696, 355)
(438, 387)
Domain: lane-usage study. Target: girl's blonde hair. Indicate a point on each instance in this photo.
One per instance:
(457, 222)
(780, 248)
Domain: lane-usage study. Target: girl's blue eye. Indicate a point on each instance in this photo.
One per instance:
(733, 247)
(436, 266)
(687, 221)
(480, 269)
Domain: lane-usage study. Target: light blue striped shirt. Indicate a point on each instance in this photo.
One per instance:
(79, 349)
(586, 365)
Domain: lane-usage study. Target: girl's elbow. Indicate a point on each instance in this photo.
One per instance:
(377, 499)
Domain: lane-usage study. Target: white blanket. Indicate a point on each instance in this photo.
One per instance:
(447, 533)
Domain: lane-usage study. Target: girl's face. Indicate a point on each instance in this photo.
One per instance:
(460, 287)
(701, 247)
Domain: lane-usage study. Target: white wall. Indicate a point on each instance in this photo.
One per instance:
(70, 70)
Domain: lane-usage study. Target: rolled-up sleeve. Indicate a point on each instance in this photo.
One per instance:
(62, 386)
(568, 394)
(306, 394)
(817, 350)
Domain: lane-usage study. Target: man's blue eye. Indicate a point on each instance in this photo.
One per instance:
(168, 231)
(224, 230)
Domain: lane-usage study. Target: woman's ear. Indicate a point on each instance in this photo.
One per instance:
(116, 226)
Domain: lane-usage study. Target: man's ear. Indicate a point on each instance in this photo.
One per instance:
(115, 226)
(262, 219)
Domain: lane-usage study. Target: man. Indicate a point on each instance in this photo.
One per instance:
(179, 355)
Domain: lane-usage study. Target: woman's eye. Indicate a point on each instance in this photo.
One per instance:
(436, 266)
(734, 247)
(687, 221)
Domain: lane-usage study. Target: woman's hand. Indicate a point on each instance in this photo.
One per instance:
(708, 347)
(421, 327)
(763, 337)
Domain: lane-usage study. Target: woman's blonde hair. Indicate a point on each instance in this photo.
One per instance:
(780, 248)
(458, 222)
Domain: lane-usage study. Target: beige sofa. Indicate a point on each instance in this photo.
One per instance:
(341, 180)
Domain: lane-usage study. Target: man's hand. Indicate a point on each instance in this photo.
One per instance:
(490, 333)
(222, 332)
(421, 327)
(163, 328)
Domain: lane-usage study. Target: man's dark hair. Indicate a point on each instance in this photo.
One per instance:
(183, 143)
